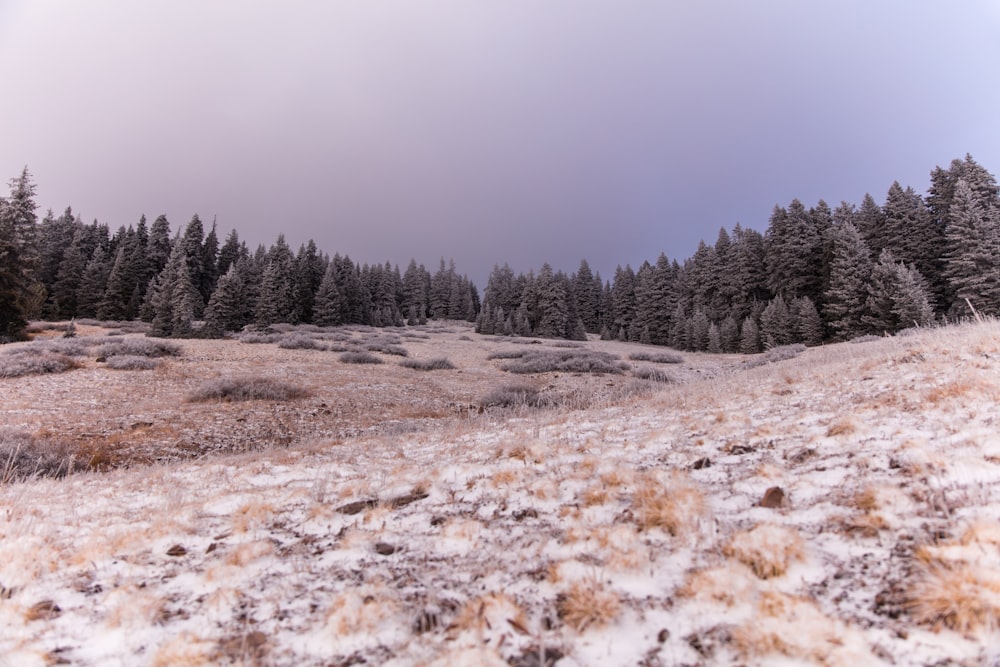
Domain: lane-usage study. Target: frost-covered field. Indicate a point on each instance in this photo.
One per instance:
(841, 507)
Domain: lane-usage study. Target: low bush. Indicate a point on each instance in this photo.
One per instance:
(24, 456)
(248, 388)
(35, 362)
(784, 352)
(568, 361)
(515, 396)
(300, 341)
(653, 374)
(386, 348)
(258, 338)
(867, 338)
(73, 347)
(438, 364)
(128, 362)
(506, 354)
(566, 343)
(138, 347)
(359, 357)
(657, 357)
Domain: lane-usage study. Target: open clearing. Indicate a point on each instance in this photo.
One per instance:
(838, 507)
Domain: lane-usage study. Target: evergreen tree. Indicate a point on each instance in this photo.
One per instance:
(225, 309)
(18, 258)
(623, 296)
(93, 283)
(897, 297)
(272, 301)
(794, 252)
(230, 252)
(729, 335)
(588, 297)
(776, 324)
(807, 323)
(749, 336)
(551, 305)
(159, 245)
(972, 251)
(209, 265)
(850, 272)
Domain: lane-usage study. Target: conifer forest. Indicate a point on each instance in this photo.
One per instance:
(818, 273)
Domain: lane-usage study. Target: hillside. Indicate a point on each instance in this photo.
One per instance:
(838, 507)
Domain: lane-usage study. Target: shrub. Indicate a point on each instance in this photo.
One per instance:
(75, 347)
(588, 604)
(359, 357)
(769, 550)
(129, 362)
(24, 456)
(784, 352)
(386, 348)
(248, 388)
(258, 338)
(515, 396)
(653, 374)
(300, 341)
(35, 362)
(506, 354)
(566, 343)
(568, 361)
(867, 338)
(437, 364)
(138, 347)
(657, 357)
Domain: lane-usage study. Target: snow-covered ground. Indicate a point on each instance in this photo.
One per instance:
(839, 508)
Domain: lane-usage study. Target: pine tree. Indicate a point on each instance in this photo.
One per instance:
(588, 297)
(272, 301)
(807, 323)
(972, 252)
(93, 283)
(729, 335)
(225, 309)
(776, 324)
(897, 296)
(18, 257)
(329, 307)
(749, 336)
(850, 272)
(159, 245)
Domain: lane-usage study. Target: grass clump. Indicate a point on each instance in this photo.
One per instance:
(259, 338)
(387, 348)
(588, 604)
(249, 388)
(35, 361)
(24, 456)
(567, 361)
(436, 364)
(515, 396)
(359, 357)
(767, 549)
(657, 357)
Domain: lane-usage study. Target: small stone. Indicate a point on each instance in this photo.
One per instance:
(385, 549)
(773, 497)
(703, 462)
(43, 611)
(177, 550)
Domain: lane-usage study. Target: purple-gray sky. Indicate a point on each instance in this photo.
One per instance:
(517, 131)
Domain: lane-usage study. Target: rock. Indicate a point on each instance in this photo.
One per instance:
(177, 550)
(703, 462)
(385, 549)
(357, 506)
(773, 497)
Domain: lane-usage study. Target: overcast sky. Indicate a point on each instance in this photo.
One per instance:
(517, 131)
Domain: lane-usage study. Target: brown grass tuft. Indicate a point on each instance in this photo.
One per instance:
(588, 604)
(671, 503)
(960, 596)
(841, 427)
(767, 549)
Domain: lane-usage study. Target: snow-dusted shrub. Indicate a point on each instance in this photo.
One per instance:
(73, 347)
(31, 361)
(258, 338)
(657, 357)
(566, 343)
(566, 361)
(138, 347)
(247, 388)
(588, 604)
(515, 396)
(506, 354)
(359, 357)
(387, 348)
(767, 549)
(300, 341)
(130, 362)
(436, 364)
(23, 456)
(868, 338)
(653, 374)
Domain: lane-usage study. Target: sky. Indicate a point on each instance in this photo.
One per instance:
(517, 131)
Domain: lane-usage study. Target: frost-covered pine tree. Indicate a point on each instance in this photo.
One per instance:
(328, 304)
(225, 309)
(807, 323)
(972, 256)
(749, 336)
(776, 326)
(92, 284)
(850, 272)
(897, 297)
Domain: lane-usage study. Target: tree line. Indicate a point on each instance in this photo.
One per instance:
(816, 274)
(188, 283)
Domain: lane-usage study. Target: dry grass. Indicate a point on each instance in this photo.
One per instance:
(359, 357)
(588, 604)
(669, 502)
(767, 549)
(435, 364)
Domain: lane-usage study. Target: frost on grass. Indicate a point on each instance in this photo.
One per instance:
(567, 361)
(24, 456)
(300, 341)
(435, 364)
(247, 389)
(652, 374)
(138, 347)
(131, 362)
